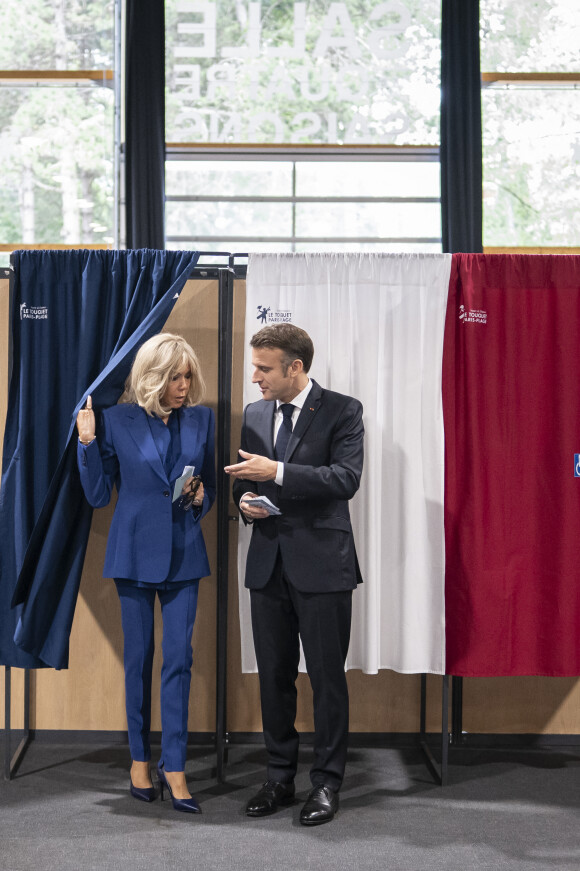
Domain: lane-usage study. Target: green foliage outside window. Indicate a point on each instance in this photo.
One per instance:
(56, 142)
(531, 133)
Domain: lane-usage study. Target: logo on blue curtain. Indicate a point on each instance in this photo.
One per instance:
(577, 465)
(267, 316)
(33, 312)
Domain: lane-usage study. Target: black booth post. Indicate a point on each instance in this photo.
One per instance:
(145, 124)
(461, 168)
(461, 148)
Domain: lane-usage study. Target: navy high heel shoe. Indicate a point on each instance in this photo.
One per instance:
(146, 794)
(142, 793)
(187, 805)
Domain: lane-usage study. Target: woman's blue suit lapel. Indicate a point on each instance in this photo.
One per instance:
(190, 439)
(140, 431)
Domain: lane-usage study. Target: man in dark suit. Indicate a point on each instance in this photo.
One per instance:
(302, 447)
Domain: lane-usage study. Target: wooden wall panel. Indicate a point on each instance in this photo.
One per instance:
(243, 689)
(549, 705)
(90, 694)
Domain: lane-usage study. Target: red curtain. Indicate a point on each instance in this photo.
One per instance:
(511, 402)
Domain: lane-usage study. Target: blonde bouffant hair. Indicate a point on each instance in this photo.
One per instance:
(156, 362)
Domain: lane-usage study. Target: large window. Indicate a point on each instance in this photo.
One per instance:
(290, 125)
(296, 203)
(531, 122)
(295, 126)
(56, 123)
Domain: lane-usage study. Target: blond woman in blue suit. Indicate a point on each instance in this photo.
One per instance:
(155, 546)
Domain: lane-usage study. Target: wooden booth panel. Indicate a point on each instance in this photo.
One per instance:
(243, 689)
(520, 705)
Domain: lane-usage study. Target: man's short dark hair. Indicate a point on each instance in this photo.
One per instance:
(294, 342)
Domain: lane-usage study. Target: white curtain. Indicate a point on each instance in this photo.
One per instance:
(377, 325)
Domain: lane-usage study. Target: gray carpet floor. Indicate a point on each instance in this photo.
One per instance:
(69, 808)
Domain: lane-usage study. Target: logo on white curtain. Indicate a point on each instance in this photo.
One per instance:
(577, 465)
(33, 312)
(267, 316)
(472, 315)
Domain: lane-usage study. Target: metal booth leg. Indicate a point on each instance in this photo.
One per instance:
(456, 711)
(11, 763)
(439, 772)
(225, 290)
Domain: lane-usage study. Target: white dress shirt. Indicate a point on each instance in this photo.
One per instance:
(297, 402)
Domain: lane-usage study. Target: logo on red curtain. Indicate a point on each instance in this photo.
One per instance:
(472, 315)
(577, 465)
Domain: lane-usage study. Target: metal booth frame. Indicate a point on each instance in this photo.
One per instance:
(226, 275)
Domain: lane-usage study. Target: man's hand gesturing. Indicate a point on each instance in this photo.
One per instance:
(253, 468)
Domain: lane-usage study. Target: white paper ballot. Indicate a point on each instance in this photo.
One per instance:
(188, 472)
(264, 502)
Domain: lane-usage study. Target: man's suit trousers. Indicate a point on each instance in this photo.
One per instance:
(280, 615)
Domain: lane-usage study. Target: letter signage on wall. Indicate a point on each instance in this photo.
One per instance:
(316, 73)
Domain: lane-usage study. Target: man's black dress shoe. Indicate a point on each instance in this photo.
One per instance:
(320, 807)
(271, 795)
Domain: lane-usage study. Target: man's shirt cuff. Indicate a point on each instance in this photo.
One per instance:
(279, 475)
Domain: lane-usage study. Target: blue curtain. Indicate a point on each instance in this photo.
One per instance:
(78, 318)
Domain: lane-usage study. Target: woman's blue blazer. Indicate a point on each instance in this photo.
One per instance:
(147, 528)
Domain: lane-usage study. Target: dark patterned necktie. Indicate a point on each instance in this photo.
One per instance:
(284, 432)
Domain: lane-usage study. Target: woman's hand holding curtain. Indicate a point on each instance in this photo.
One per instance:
(86, 422)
